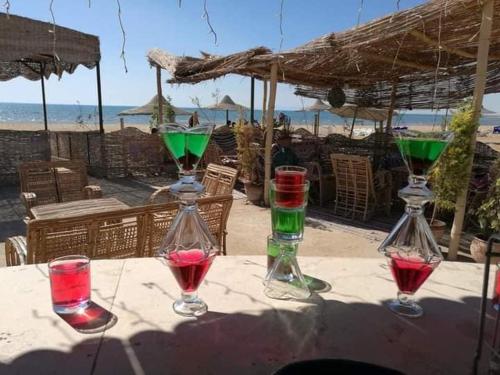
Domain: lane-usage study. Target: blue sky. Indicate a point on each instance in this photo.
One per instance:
(161, 23)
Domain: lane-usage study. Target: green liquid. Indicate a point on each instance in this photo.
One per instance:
(421, 153)
(186, 148)
(288, 223)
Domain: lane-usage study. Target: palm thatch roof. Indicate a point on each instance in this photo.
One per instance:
(227, 104)
(428, 52)
(149, 108)
(29, 47)
(364, 113)
(318, 105)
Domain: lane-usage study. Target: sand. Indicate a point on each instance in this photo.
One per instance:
(485, 132)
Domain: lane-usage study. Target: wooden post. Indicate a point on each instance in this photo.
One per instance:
(477, 102)
(353, 121)
(391, 108)
(99, 97)
(45, 122)
(159, 94)
(252, 100)
(264, 104)
(269, 130)
(122, 123)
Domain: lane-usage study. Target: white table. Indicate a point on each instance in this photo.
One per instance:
(244, 332)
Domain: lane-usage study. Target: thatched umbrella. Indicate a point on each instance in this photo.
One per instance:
(149, 109)
(365, 113)
(227, 104)
(317, 106)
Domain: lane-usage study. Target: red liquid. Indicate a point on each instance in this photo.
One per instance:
(290, 178)
(410, 273)
(189, 268)
(496, 291)
(70, 283)
(290, 196)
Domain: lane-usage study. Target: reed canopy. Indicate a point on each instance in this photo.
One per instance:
(424, 57)
(30, 48)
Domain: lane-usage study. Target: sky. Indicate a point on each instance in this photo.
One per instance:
(239, 25)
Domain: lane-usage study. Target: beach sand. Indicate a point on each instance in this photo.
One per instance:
(485, 132)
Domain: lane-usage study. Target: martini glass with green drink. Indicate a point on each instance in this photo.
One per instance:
(411, 250)
(188, 247)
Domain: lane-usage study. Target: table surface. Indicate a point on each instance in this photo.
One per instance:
(76, 208)
(244, 332)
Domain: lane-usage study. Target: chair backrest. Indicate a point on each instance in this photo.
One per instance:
(135, 232)
(219, 180)
(54, 181)
(354, 182)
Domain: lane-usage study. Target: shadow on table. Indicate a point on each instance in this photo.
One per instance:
(261, 341)
(93, 319)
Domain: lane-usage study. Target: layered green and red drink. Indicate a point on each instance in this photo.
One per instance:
(186, 148)
(420, 154)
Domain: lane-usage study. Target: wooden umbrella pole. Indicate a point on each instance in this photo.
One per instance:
(160, 94)
(264, 103)
(391, 108)
(477, 102)
(44, 102)
(252, 100)
(269, 130)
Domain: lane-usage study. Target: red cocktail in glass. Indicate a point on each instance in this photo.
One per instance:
(189, 268)
(290, 175)
(70, 283)
(409, 272)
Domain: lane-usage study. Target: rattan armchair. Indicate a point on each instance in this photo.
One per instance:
(358, 192)
(134, 232)
(44, 182)
(218, 180)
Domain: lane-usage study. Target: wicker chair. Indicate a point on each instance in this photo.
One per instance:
(358, 192)
(217, 180)
(135, 232)
(44, 182)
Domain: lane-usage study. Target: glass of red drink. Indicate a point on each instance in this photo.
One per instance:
(70, 283)
(496, 290)
(290, 175)
(410, 271)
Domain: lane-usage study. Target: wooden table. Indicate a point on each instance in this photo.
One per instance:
(244, 332)
(76, 208)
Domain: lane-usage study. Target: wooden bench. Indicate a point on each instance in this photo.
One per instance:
(123, 233)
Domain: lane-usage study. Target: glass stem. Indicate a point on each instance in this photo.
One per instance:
(189, 297)
(405, 298)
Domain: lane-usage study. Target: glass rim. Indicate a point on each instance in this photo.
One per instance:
(291, 169)
(174, 127)
(65, 258)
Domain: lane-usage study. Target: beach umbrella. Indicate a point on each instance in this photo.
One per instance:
(365, 113)
(149, 108)
(227, 104)
(317, 106)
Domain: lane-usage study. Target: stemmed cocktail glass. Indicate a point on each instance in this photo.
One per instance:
(188, 247)
(411, 250)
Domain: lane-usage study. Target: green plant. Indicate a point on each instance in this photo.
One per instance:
(488, 214)
(248, 152)
(449, 177)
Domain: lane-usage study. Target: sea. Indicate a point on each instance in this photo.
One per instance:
(88, 115)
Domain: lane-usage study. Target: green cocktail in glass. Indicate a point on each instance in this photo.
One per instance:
(186, 148)
(288, 223)
(421, 153)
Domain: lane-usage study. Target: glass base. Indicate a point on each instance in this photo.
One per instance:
(408, 309)
(192, 306)
(71, 309)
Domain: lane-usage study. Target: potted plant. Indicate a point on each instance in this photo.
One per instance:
(248, 156)
(447, 177)
(488, 217)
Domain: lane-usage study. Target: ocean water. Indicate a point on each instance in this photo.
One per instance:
(87, 114)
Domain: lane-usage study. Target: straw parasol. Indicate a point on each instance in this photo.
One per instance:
(227, 104)
(317, 106)
(149, 108)
(366, 113)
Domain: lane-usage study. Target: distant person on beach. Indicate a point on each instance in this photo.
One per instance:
(193, 120)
